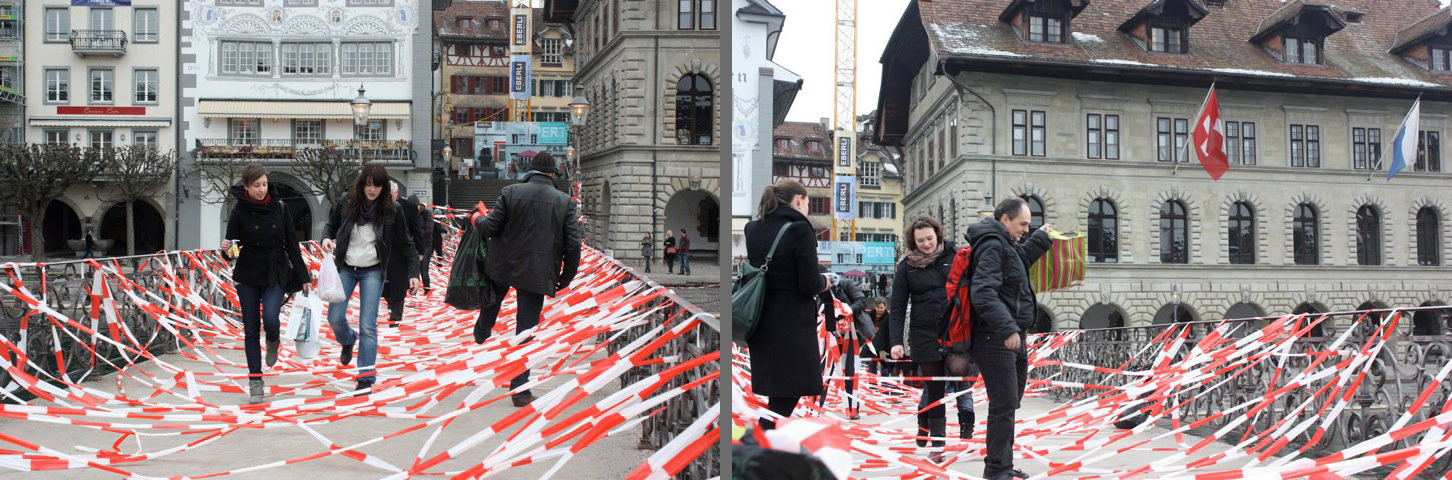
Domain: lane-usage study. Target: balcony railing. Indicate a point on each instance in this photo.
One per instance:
(282, 149)
(98, 42)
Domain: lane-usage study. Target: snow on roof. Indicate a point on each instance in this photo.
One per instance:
(1087, 37)
(1122, 62)
(963, 38)
(1396, 81)
(1243, 71)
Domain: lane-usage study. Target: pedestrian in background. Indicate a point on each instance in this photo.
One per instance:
(683, 253)
(647, 250)
(670, 251)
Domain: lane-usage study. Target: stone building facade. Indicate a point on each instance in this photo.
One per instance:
(649, 155)
(982, 106)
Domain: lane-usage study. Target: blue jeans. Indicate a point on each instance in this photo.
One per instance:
(965, 401)
(685, 258)
(260, 308)
(370, 282)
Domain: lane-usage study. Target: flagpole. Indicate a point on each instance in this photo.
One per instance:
(1380, 155)
(1184, 148)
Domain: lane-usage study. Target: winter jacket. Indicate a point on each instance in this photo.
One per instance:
(647, 248)
(269, 245)
(926, 289)
(784, 356)
(393, 240)
(1000, 292)
(848, 293)
(534, 236)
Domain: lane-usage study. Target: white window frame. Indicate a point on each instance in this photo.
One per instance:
(93, 135)
(370, 3)
(139, 80)
(143, 19)
(108, 87)
(57, 25)
(552, 52)
(245, 58)
(366, 59)
(301, 125)
(137, 135)
(59, 85)
(65, 136)
(234, 136)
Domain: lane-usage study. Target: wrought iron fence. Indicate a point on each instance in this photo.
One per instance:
(1414, 352)
(99, 40)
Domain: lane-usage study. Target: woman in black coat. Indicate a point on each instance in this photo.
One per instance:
(785, 364)
(921, 278)
(269, 265)
(367, 228)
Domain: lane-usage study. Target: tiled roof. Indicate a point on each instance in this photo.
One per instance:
(1432, 25)
(799, 133)
(446, 24)
(1219, 44)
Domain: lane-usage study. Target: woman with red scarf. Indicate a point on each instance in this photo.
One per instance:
(269, 265)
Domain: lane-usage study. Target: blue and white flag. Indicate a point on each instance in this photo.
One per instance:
(1404, 143)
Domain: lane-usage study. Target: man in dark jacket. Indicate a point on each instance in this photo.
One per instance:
(426, 230)
(534, 247)
(1003, 308)
(395, 288)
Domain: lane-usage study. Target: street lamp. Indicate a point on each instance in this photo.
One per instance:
(579, 109)
(361, 106)
(1175, 296)
(580, 106)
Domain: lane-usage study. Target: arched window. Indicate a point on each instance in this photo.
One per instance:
(1103, 232)
(1306, 235)
(1429, 237)
(1242, 234)
(1174, 233)
(1368, 236)
(1036, 211)
(693, 110)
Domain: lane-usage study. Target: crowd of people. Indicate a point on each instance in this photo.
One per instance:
(381, 246)
(904, 334)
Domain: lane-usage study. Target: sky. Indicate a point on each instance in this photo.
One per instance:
(808, 44)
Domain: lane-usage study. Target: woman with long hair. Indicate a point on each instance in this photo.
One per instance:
(267, 267)
(365, 229)
(921, 279)
(784, 357)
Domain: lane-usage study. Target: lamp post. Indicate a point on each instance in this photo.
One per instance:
(1175, 297)
(446, 155)
(361, 106)
(579, 111)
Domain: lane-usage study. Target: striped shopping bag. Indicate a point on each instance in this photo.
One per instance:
(1063, 265)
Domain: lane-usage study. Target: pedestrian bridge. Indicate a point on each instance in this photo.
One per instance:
(134, 366)
(1325, 395)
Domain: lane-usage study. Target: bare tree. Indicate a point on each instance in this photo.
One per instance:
(134, 173)
(328, 172)
(31, 175)
(218, 176)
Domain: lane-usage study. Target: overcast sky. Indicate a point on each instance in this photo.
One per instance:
(808, 47)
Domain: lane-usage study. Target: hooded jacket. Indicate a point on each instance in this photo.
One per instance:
(1002, 296)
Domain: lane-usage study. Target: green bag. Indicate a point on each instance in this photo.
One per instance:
(748, 292)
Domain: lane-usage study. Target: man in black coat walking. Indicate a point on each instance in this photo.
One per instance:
(534, 246)
(1003, 308)
(395, 289)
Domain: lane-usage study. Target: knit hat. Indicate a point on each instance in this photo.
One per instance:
(543, 162)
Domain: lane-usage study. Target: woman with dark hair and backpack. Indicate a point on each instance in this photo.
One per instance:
(367, 228)
(269, 265)
(922, 278)
(784, 359)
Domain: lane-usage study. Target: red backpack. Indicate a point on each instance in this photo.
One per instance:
(959, 322)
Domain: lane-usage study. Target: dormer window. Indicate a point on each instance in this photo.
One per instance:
(1163, 26)
(783, 144)
(1441, 62)
(1043, 21)
(1168, 40)
(814, 146)
(1045, 29)
(1305, 51)
(1297, 32)
(1428, 42)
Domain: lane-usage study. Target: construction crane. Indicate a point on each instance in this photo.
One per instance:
(844, 128)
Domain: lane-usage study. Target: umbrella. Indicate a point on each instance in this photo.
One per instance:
(856, 273)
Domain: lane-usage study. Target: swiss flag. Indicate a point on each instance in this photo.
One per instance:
(1209, 138)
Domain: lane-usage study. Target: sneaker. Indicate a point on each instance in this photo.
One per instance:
(254, 387)
(364, 387)
(347, 356)
(272, 348)
(522, 399)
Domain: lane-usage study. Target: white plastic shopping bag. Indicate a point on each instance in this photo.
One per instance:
(302, 325)
(330, 287)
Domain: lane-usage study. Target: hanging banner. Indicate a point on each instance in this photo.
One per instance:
(100, 3)
(519, 77)
(844, 194)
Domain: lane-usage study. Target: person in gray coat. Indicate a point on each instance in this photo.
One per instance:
(647, 250)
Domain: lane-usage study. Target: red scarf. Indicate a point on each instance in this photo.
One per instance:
(266, 201)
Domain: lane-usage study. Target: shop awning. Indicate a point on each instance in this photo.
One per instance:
(145, 122)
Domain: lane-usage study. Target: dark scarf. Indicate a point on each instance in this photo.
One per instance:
(368, 212)
(265, 202)
(917, 259)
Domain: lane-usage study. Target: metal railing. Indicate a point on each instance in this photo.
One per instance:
(1414, 352)
(383, 150)
(111, 42)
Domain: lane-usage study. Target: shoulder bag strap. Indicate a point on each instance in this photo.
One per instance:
(772, 252)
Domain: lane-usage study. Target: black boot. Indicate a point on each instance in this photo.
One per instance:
(965, 424)
(922, 435)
